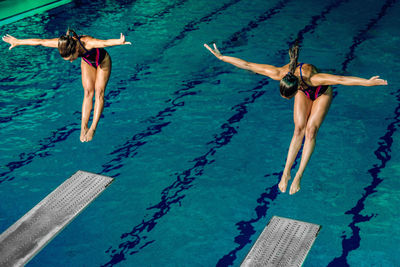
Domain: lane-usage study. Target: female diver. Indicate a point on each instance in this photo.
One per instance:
(95, 67)
(312, 94)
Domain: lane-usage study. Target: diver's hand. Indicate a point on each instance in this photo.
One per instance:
(214, 51)
(376, 81)
(122, 40)
(11, 40)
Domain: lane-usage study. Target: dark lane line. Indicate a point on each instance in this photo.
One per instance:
(238, 38)
(61, 134)
(362, 35)
(352, 241)
(193, 25)
(136, 239)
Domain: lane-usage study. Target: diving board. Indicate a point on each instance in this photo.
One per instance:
(26, 237)
(283, 242)
(13, 10)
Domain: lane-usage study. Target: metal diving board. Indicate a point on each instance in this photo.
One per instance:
(26, 237)
(283, 242)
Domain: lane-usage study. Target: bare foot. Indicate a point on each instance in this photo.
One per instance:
(295, 187)
(89, 135)
(284, 181)
(83, 134)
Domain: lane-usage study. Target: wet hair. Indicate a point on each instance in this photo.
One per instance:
(289, 84)
(67, 44)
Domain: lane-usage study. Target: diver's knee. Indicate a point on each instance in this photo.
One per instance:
(88, 93)
(299, 130)
(311, 132)
(88, 90)
(99, 93)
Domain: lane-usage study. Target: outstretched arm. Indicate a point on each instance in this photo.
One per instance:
(273, 72)
(91, 42)
(329, 79)
(16, 42)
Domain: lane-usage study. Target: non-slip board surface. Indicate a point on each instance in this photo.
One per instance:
(283, 242)
(26, 237)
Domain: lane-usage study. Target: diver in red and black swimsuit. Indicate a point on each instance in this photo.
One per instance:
(310, 106)
(95, 66)
(93, 57)
(312, 92)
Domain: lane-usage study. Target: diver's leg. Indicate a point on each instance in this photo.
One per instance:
(88, 82)
(103, 74)
(301, 111)
(319, 110)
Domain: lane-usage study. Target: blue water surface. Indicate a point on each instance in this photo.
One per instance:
(197, 146)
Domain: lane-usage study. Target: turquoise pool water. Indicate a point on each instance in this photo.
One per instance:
(196, 145)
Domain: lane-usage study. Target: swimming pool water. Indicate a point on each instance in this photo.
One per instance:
(197, 146)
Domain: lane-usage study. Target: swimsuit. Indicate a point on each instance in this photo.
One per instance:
(312, 92)
(95, 56)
